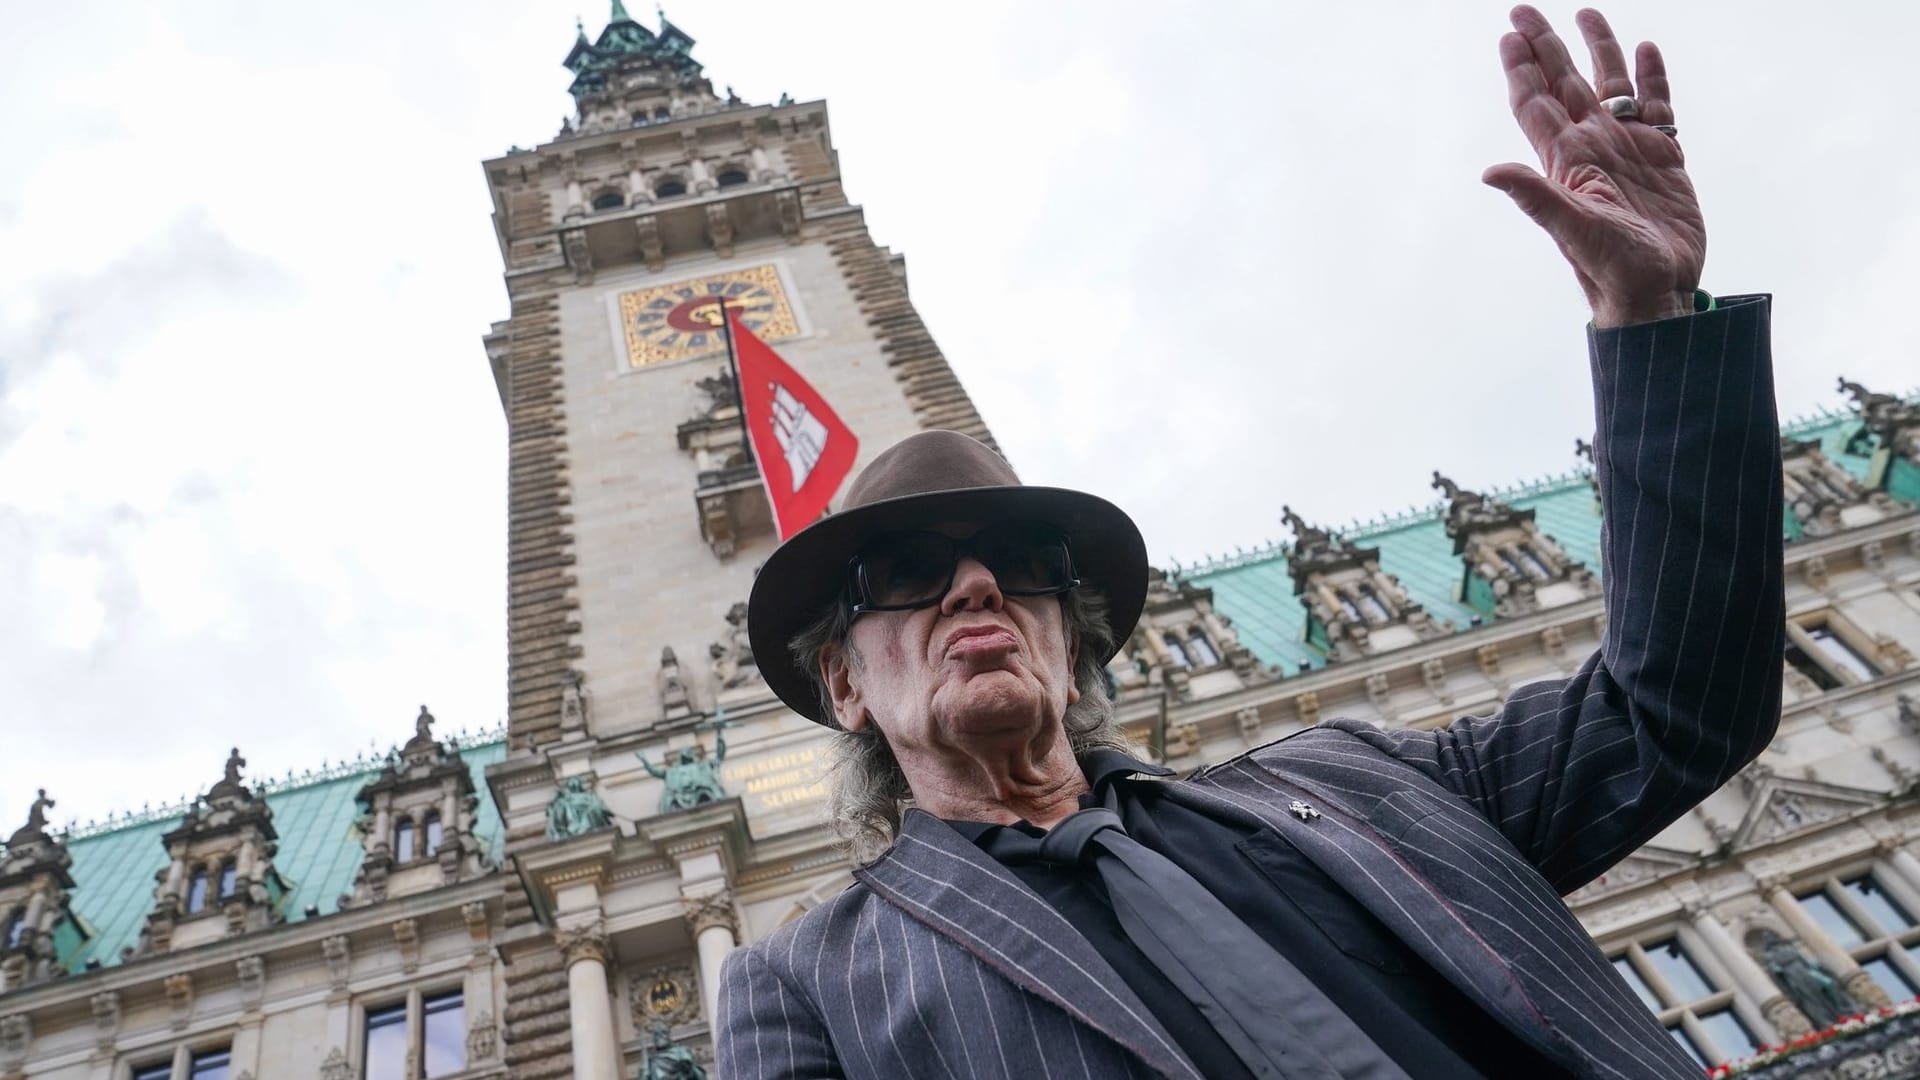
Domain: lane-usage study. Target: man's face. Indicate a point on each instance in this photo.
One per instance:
(976, 669)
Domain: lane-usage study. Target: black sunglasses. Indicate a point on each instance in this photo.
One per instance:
(900, 571)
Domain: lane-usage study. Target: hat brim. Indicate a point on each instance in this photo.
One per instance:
(807, 573)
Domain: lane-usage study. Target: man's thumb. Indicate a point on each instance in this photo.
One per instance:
(1539, 198)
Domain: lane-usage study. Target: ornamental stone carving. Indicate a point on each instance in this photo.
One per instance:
(179, 993)
(668, 994)
(1511, 566)
(584, 942)
(339, 960)
(220, 878)
(710, 910)
(676, 702)
(336, 1066)
(34, 910)
(106, 1017)
(733, 663)
(1354, 608)
(417, 831)
(483, 1039)
(251, 972)
(16, 1037)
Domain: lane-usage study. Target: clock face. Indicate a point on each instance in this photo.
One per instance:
(682, 320)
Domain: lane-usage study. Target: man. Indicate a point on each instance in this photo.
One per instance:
(1348, 902)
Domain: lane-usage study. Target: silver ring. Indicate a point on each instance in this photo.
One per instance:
(1623, 107)
(1668, 130)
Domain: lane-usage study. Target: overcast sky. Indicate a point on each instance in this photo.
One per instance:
(1201, 261)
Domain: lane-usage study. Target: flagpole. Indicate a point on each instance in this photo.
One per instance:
(739, 392)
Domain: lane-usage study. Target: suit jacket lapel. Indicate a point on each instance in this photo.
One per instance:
(938, 878)
(1364, 863)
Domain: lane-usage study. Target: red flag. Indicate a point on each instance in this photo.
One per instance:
(803, 449)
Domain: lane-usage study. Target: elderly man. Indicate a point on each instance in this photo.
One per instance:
(1348, 902)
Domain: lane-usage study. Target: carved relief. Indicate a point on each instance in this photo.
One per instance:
(338, 960)
(676, 702)
(720, 229)
(406, 938)
(733, 663)
(179, 993)
(106, 1018)
(710, 910)
(483, 1039)
(669, 994)
(586, 942)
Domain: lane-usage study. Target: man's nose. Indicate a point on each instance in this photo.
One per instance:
(974, 588)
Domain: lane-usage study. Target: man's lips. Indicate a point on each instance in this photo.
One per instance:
(974, 640)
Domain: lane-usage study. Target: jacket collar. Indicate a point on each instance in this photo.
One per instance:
(942, 880)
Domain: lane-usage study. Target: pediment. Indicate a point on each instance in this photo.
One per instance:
(1783, 807)
(1649, 863)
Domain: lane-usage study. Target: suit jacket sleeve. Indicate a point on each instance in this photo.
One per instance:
(1685, 689)
(767, 1030)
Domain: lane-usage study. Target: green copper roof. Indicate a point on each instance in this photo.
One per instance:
(114, 868)
(1256, 592)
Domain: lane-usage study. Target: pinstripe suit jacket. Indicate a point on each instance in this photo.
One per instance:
(938, 962)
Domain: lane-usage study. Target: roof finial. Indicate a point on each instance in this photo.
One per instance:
(580, 27)
(619, 13)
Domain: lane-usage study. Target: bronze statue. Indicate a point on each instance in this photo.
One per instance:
(668, 1061)
(692, 777)
(37, 813)
(1810, 986)
(575, 810)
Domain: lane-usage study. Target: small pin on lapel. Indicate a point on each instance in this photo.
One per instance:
(1302, 810)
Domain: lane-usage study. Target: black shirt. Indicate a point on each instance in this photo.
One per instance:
(1413, 1013)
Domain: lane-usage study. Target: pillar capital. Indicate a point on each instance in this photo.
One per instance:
(707, 910)
(584, 942)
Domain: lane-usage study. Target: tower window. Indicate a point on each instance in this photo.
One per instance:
(732, 178)
(403, 841)
(1201, 649)
(667, 189)
(1176, 651)
(229, 878)
(609, 200)
(197, 890)
(16, 928)
(433, 833)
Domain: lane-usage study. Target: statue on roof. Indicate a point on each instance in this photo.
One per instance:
(423, 724)
(1583, 449)
(1305, 537)
(692, 777)
(36, 826)
(1884, 414)
(575, 810)
(1865, 400)
(234, 764)
(1467, 508)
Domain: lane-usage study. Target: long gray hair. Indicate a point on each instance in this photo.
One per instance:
(866, 789)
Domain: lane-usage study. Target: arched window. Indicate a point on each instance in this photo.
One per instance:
(16, 928)
(1175, 650)
(403, 841)
(1201, 649)
(609, 200)
(667, 189)
(640, 118)
(732, 178)
(661, 112)
(433, 834)
(197, 890)
(229, 878)
(1370, 603)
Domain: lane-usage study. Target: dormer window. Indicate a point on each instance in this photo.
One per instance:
(1370, 603)
(732, 178)
(433, 832)
(16, 928)
(609, 200)
(403, 841)
(229, 879)
(668, 189)
(1200, 649)
(197, 890)
(1176, 651)
(1348, 608)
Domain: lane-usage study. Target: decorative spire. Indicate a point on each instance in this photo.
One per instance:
(619, 13)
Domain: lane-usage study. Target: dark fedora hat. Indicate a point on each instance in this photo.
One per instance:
(925, 480)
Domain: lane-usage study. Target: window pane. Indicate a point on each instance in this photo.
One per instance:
(1832, 920)
(1841, 653)
(197, 891)
(446, 1036)
(1202, 649)
(1802, 663)
(1729, 1035)
(1625, 967)
(1686, 1044)
(433, 833)
(403, 841)
(1175, 651)
(161, 1070)
(229, 879)
(210, 1065)
(387, 1043)
(1882, 907)
(16, 928)
(1889, 978)
(1677, 968)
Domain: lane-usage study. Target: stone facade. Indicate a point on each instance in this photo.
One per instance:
(311, 926)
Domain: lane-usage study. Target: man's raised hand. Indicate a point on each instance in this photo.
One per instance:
(1615, 195)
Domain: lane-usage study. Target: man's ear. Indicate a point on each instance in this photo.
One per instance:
(837, 673)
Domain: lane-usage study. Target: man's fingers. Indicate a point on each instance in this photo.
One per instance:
(1650, 71)
(1541, 116)
(1551, 206)
(1609, 63)
(1555, 63)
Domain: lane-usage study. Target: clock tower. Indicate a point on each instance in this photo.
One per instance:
(636, 515)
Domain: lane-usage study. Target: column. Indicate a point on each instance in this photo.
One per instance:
(711, 916)
(1903, 862)
(1787, 1019)
(576, 205)
(762, 167)
(638, 193)
(383, 824)
(702, 176)
(596, 1051)
(1836, 959)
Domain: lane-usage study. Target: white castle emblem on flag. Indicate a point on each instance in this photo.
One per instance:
(803, 437)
